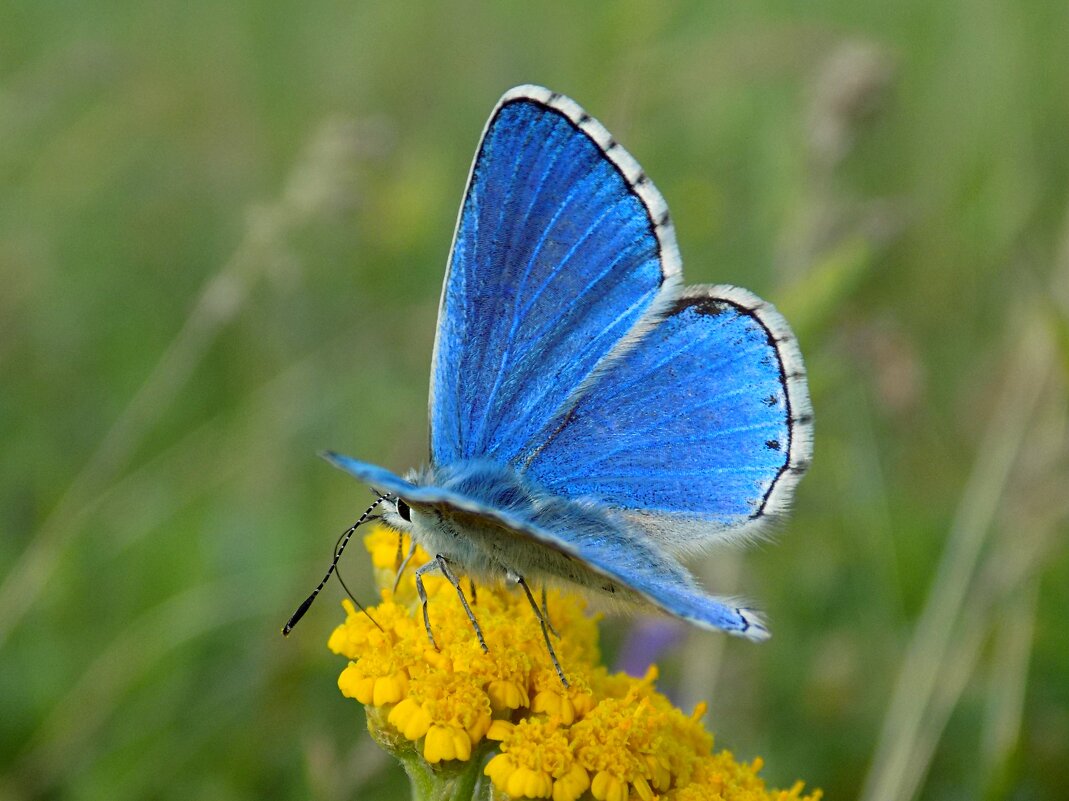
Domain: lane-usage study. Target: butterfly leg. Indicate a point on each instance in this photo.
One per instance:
(421, 591)
(403, 563)
(516, 578)
(545, 614)
(441, 564)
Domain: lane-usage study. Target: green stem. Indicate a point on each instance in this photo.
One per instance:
(453, 782)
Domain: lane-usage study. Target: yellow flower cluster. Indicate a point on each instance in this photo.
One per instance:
(606, 736)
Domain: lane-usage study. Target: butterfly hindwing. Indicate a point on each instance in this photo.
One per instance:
(701, 429)
(562, 246)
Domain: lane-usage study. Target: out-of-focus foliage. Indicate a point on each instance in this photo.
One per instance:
(223, 228)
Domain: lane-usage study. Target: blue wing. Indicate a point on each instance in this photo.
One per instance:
(702, 428)
(378, 478)
(562, 247)
(599, 539)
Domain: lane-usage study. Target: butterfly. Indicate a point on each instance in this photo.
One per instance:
(592, 421)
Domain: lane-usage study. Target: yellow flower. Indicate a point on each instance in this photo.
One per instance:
(537, 761)
(446, 709)
(720, 778)
(606, 736)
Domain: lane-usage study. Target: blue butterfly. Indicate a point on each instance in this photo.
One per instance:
(592, 421)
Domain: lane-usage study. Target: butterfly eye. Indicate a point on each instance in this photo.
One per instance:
(404, 510)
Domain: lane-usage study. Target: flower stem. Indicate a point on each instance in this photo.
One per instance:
(455, 782)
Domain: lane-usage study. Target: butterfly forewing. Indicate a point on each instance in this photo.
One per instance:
(556, 257)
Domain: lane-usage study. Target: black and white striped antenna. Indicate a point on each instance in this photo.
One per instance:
(339, 547)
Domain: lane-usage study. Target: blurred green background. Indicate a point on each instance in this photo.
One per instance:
(223, 228)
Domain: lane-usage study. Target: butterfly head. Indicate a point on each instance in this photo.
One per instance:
(397, 514)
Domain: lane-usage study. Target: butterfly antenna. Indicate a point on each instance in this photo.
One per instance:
(338, 547)
(342, 542)
(356, 603)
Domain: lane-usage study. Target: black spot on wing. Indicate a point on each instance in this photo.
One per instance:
(705, 306)
(713, 306)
